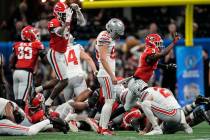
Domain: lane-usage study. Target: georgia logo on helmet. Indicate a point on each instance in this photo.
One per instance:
(59, 11)
(154, 41)
(30, 33)
(38, 100)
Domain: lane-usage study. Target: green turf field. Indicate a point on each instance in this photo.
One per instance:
(201, 132)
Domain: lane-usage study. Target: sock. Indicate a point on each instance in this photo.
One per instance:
(39, 89)
(189, 108)
(106, 113)
(49, 102)
(34, 129)
(146, 107)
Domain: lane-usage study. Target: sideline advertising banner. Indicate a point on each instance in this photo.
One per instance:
(189, 74)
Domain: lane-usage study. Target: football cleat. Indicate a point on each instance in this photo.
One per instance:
(155, 131)
(106, 132)
(73, 126)
(200, 100)
(187, 129)
(93, 124)
(59, 124)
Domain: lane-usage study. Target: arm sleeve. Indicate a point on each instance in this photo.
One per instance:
(80, 18)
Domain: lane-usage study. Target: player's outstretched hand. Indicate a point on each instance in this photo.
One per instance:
(176, 37)
(75, 6)
(69, 14)
(171, 66)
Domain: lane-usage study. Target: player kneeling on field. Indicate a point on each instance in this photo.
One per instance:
(161, 103)
(11, 116)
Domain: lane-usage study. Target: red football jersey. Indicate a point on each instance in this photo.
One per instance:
(27, 54)
(34, 116)
(57, 43)
(145, 71)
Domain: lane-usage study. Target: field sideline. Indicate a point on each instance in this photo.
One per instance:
(201, 131)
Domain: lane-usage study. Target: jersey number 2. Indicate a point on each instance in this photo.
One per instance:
(24, 52)
(72, 57)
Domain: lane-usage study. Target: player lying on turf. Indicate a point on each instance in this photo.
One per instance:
(67, 111)
(11, 116)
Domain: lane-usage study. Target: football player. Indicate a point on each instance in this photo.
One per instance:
(59, 28)
(105, 49)
(77, 84)
(148, 62)
(11, 116)
(23, 61)
(160, 102)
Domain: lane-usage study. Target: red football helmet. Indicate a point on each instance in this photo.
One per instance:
(38, 100)
(59, 11)
(154, 40)
(30, 33)
(132, 114)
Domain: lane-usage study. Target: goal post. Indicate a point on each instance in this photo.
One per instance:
(189, 4)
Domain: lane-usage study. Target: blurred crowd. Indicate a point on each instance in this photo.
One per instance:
(138, 21)
(162, 20)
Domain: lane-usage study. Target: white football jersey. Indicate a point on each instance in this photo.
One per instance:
(104, 39)
(3, 103)
(162, 96)
(73, 59)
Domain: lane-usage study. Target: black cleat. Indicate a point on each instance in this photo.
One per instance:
(200, 100)
(59, 124)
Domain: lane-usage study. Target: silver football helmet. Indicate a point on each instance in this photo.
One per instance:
(115, 27)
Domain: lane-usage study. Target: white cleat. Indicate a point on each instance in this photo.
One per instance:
(187, 129)
(155, 131)
(73, 126)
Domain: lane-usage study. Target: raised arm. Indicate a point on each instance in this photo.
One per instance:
(154, 57)
(80, 18)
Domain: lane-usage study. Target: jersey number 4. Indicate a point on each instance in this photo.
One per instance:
(72, 57)
(163, 92)
(24, 52)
